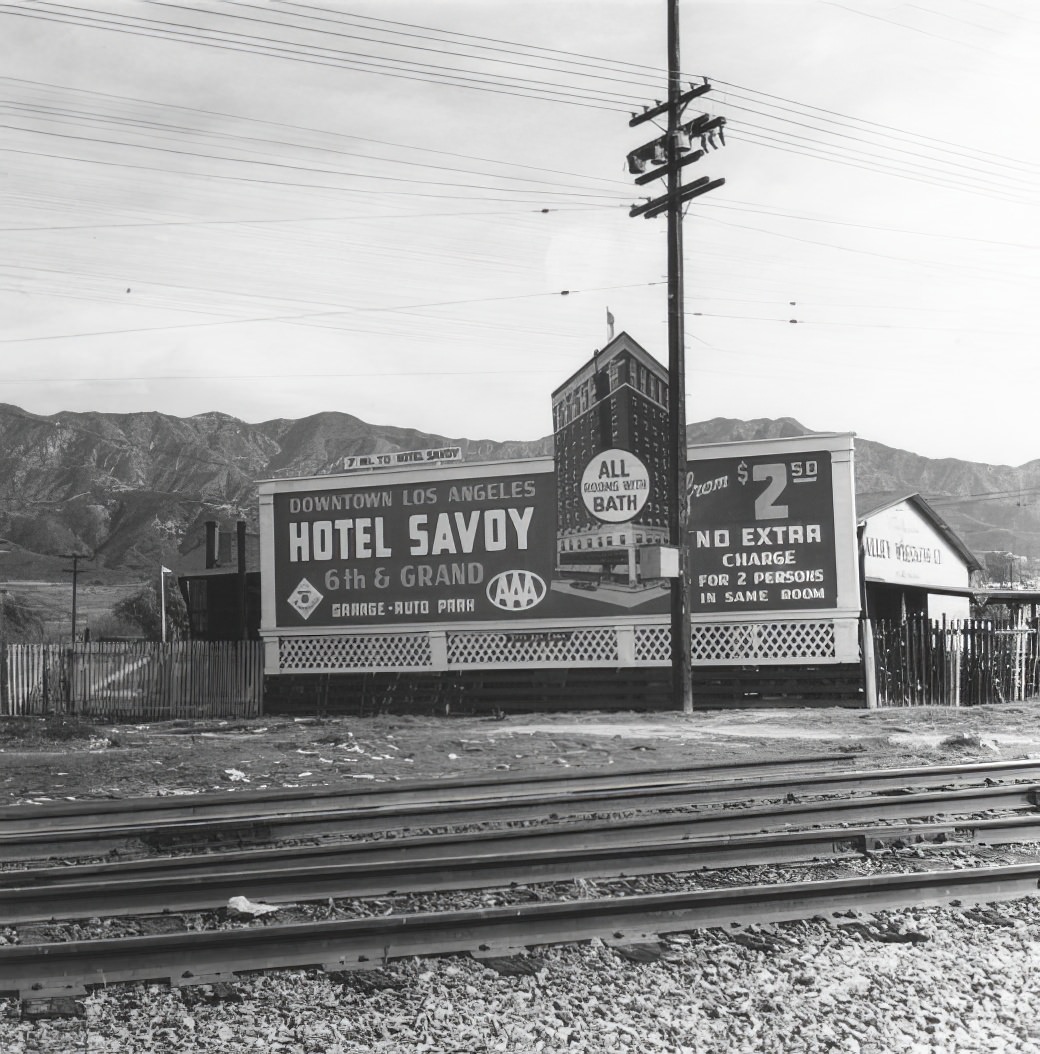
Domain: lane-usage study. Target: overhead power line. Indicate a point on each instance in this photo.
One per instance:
(321, 56)
(640, 73)
(827, 117)
(180, 133)
(331, 136)
(893, 152)
(382, 177)
(324, 314)
(233, 134)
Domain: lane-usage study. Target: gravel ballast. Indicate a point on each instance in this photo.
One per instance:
(958, 980)
(925, 980)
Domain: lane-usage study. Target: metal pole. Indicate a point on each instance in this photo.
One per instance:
(162, 602)
(682, 685)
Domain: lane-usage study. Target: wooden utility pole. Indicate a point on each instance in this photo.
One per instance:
(74, 571)
(674, 151)
(682, 677)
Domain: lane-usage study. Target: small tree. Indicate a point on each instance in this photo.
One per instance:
(110, 627)
(19, 623)
(141, 609)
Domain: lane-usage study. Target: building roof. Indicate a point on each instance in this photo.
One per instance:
(191, 559)
(1007, 596)
(622, 342)
(868, 505)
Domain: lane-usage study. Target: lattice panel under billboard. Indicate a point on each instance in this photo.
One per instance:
(653, 645)
(760, 642)
(716, 644)
(392, 651)
(584, 647)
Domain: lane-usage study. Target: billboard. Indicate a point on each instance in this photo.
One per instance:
(453, 544)
(476, 548)
(402, 457)
(770, 527)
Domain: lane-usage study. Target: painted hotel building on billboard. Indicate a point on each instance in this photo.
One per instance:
(617, 401)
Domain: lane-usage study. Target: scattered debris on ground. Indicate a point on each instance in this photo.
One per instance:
(47, 759)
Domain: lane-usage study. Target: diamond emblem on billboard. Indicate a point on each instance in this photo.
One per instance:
(305, 598)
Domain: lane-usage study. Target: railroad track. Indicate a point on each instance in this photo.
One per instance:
(803, 825)
(36, 832)
(68, 968)
(481, 860)
(225, 810)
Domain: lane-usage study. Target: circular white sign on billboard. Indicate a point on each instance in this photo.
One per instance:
(615, 486)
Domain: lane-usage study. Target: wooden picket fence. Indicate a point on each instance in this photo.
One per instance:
(974, 662)
(139, 680)
(916, 663)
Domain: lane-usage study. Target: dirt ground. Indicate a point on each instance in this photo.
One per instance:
(44, 760)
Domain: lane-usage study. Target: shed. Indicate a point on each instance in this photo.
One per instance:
(913, 563)
(223, 595)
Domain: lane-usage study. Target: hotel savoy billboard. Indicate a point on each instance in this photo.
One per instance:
(472, 543)
(771, 531)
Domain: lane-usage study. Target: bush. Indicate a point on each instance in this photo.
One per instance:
(110, 627)
(19, 623)
(142, 610)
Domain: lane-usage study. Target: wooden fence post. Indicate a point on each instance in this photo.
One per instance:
(869, 669)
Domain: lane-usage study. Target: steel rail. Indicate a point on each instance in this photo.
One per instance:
(248, 802)
(488, 859)
(198, 957)
(26, 840)
(136, 812)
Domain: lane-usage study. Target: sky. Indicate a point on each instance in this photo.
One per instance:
(417, 211)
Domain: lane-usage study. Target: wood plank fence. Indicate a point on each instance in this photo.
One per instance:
(974, 662)
(916, 662)
(134, 681)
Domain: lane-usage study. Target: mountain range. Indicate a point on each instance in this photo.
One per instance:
(130, 490)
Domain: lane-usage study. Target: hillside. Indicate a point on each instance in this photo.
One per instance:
(134, 489)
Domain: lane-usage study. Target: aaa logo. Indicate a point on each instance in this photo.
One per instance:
(516, 590)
